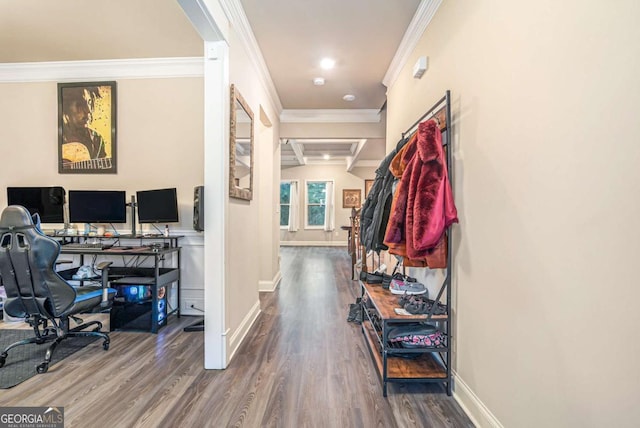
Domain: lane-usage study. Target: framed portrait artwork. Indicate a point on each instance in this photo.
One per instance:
(87, 128)
(351, 198)
(367, 187)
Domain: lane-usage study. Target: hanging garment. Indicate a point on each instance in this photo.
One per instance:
(431, 209)
(398, 206)
(376, 208)
(424, 208)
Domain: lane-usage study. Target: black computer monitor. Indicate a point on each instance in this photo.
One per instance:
(157, 206)
(97, 206)
(47, 202)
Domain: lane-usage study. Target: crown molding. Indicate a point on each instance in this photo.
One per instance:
(425, 12)
(330, 116)
(315, 162)
(138, 68)
(235, 13)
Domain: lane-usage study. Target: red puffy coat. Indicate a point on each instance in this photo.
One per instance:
(424, 208)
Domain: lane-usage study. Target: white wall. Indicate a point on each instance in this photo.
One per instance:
(251, 255)
(545, 103)
(333, 130)
(269, 172)
(159, 145)
(159, 140)
(343, 180)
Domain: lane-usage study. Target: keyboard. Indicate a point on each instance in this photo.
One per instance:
(86, 245)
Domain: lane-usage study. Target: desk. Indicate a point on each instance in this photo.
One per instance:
(149, 308)
(171, 240)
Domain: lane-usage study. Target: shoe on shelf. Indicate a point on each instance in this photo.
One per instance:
(375, 278)
(402, 287)
(402, 277)
(421, 306)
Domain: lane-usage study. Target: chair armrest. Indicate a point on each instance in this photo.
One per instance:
(104, 265)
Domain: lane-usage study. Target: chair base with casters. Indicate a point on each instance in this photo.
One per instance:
(39, 294)
(43, 333)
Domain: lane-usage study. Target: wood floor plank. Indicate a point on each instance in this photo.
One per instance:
(301, 365)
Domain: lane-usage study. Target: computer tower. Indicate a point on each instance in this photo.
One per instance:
(198, 208)
(135, 308)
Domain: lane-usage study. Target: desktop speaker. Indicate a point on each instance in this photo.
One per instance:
(198, 208)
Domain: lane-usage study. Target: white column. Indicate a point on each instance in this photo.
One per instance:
(216, 155)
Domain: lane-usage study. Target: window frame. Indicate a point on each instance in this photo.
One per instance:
(306, 203)
(286, 227)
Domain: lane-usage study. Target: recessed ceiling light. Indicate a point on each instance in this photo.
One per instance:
(326, 157)
(349, 97)
(327, 63)
(318, 81)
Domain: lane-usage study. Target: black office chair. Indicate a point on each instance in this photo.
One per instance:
(36, 292)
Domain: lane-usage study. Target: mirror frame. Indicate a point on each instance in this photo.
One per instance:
(235, 191)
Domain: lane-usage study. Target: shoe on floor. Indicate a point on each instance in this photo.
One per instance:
(355, 311)
(402, 287)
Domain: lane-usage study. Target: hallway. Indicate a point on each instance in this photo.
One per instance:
(323, 374)
(302, 365)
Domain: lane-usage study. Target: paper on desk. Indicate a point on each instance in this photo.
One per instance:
(401, 311)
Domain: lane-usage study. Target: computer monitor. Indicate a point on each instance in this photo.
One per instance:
(157, 206)
(47, 202)
(97, 206)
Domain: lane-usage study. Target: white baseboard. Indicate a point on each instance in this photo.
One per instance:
(313, 243)
(270, 286)
(479, 414)
(238, 336)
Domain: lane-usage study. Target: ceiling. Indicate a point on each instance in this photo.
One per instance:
(73, 30)
(362, 36)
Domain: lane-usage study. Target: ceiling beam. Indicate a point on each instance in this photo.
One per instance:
(351, 160)
(297, 149)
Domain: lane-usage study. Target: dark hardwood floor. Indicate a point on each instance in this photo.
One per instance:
(302, 365)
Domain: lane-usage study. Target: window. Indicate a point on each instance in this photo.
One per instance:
(285, 203)
(318, 203)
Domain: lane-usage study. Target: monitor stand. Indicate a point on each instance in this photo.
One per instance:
(133, 205)
(196, 326)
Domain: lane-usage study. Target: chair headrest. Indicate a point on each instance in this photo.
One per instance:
(15, 216)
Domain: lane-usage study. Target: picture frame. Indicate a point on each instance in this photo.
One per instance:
(87, 128)
(351, 198)
(368, 184)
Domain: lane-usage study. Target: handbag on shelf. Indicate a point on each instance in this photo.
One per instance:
(417, 336)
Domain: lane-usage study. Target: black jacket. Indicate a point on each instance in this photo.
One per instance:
(376, 208)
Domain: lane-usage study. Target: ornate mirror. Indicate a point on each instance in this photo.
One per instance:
(240, 148)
